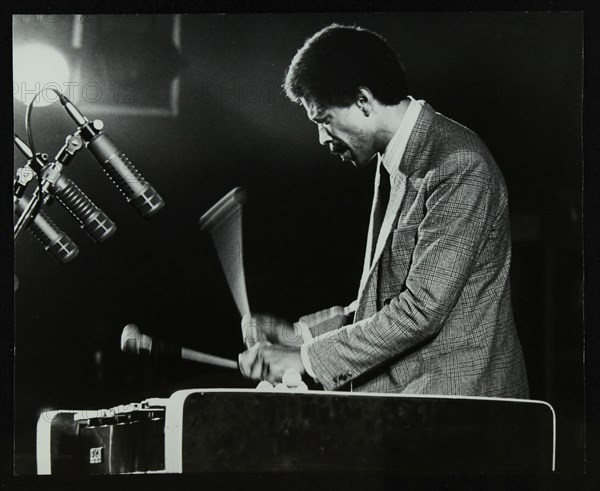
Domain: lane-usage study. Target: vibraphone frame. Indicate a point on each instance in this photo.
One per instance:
(201, 430)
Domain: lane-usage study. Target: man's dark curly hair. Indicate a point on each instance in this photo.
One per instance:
(337, 60)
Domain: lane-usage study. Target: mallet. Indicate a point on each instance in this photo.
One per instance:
(224, 222)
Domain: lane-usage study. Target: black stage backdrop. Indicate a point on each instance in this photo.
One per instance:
(514, 78)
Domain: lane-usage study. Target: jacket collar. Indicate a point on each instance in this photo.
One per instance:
(410, 160)
(393, 155)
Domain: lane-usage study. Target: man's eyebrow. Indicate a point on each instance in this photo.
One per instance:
(319, 117)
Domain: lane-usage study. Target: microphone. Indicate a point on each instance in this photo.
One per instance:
(91, 218)
(58, 244)
(134, 341)
(138, 192)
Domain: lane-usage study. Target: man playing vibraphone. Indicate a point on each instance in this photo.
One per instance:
(433, 313)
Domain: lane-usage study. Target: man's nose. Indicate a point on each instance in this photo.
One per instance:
(324, 136)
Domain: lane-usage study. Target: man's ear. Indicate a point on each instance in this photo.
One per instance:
(364, 101)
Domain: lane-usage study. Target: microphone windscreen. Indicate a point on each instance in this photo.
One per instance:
(55, 241)
(125, 176)
(92, 219)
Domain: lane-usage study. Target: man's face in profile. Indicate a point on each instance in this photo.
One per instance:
(345, 130)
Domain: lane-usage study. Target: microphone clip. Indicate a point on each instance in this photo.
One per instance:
(73, 143)
(88, 130)
(23, 178)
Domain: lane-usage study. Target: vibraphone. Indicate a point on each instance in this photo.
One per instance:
(248, 430)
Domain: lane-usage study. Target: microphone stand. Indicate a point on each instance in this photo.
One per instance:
(24, 175)
(56, 185)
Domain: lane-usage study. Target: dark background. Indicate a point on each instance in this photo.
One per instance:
(514, 78)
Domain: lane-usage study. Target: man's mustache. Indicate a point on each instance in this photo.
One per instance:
(337, 148)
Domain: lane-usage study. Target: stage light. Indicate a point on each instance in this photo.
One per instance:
(38, 67)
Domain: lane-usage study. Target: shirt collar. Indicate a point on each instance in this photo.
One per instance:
(394, 150)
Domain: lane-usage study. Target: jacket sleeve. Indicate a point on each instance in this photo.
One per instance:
(462, 204)
(326, 320)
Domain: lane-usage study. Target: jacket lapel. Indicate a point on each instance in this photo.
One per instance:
(408, 164)
(398, 186)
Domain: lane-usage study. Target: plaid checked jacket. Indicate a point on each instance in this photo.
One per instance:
(434, 316)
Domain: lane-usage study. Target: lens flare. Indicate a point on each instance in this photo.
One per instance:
(38, 67)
